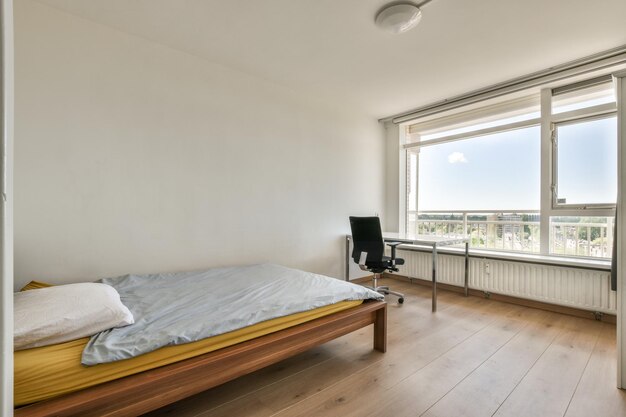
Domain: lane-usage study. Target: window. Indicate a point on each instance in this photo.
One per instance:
(478, 172)
(459, 175)
(585, 166)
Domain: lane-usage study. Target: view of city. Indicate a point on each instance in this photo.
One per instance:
(574, 236)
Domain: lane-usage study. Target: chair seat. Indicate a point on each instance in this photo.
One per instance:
(378, 267)
(399, 261)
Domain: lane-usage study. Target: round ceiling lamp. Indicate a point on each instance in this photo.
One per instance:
(398, 18)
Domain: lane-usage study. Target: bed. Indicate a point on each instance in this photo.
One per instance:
(51, 381)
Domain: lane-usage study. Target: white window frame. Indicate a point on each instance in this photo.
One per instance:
(548, 204)
(573, 117)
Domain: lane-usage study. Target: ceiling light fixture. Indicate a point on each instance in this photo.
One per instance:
(398, 18)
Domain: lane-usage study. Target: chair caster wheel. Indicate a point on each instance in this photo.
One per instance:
(400, 300)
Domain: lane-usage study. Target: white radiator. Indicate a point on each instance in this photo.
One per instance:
(572, 287)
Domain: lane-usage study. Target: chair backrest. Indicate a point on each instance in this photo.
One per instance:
(367, 236)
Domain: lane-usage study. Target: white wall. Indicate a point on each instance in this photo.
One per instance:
(133, 157)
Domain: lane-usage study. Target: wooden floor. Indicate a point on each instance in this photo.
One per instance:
(474, 357)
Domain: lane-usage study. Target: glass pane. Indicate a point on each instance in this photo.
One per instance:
(501, 231)
(583, 98)
(581, 236)
(500, 171)
(587, 162)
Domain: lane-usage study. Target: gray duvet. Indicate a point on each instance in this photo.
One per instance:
(177, 308)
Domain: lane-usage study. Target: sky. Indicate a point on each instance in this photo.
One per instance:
(502, 171)
(588, 162)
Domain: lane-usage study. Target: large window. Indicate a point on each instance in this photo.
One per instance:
(459, 175)
(479, 172)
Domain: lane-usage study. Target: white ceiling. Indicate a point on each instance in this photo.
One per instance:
(331, 49)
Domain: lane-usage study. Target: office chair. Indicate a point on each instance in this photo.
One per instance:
(369, 251)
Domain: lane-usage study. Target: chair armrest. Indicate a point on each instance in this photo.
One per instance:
(393, 246)
(362, 261)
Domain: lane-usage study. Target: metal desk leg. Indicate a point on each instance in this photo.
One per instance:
(434, 278)
(347, 276)
(466, 269)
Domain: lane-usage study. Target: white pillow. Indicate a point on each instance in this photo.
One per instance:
(66, 312)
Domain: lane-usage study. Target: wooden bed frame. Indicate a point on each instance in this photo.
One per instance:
(149, 390)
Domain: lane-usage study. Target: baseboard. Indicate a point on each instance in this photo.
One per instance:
(572, 311)
(362, 279)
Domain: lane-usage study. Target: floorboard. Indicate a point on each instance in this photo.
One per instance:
(474, 357)
(596, 394)
(490, 383)
(547, 388)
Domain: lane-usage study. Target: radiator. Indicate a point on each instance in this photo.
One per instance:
(573, 287)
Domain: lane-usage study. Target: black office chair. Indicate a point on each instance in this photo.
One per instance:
(369, 251)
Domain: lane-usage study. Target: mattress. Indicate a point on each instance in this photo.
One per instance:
(177, 308)
(51, 371)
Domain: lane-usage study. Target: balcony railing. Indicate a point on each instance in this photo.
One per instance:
(517, 231)
(582, 239)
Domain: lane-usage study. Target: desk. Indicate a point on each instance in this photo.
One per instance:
(432, 242)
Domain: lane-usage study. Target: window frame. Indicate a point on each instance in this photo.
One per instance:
(548, 123)
(593, 114)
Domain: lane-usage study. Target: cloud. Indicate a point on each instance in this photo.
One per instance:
(456, 157)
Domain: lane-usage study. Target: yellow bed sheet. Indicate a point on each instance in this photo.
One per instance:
(50, 371)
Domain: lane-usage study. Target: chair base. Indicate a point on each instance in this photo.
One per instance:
(384, 290)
